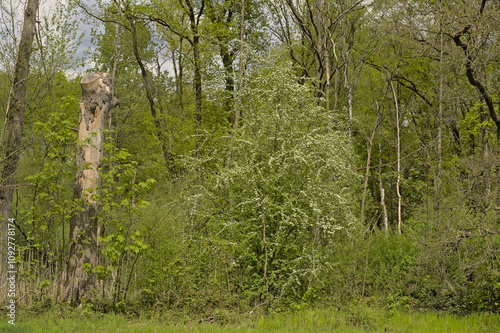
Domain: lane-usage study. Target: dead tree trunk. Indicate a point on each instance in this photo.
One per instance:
(96, 102)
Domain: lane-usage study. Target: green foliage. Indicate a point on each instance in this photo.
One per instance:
(120, 200)
(279, 185)
(263, 217)
(47, 204)
(477, 124)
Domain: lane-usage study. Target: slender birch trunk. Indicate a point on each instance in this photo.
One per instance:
(367, 171)
(385, 217)
(398, 147)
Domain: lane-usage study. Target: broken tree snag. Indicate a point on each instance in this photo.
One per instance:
(97, 100)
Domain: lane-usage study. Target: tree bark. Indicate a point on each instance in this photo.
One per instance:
(222, 20)
(237, 113)
(115, 61)
(385, 217)
(194, 20)
(97, 100)
(440, 124)
(179, 84)
(367, 171)
(197, 75)
(398, 147)
(264, 243)
(227, 62)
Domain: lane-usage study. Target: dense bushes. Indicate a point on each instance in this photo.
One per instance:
(265, 218)
(262, 218)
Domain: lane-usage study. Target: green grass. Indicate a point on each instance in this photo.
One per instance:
(354, 319)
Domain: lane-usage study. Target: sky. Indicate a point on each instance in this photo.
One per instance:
(48, 6)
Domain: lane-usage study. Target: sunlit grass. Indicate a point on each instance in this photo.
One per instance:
(437, 322)
(353, 319)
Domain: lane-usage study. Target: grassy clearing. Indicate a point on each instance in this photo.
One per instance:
(353, 319)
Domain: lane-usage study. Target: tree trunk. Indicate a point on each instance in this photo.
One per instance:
(197, 80)
(115, 61)
(367, 171)
(227, 62)
(264, 243)
(350, 89)
(179, 88)
(398, 147)
(96, 102)
(385, 217)
(474, 81)
(194, 20)
(237, 113)
(150, 94)
(336, 90)
(319, 41)
(14, 122)
(15, 113)
(440, 124)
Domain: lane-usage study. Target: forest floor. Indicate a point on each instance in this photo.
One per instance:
(352, 319)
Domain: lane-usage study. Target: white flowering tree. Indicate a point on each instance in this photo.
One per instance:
(280, 189)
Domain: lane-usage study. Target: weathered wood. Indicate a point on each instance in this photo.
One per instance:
(97, 100)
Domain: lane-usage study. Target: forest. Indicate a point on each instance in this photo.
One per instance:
(216, 157)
